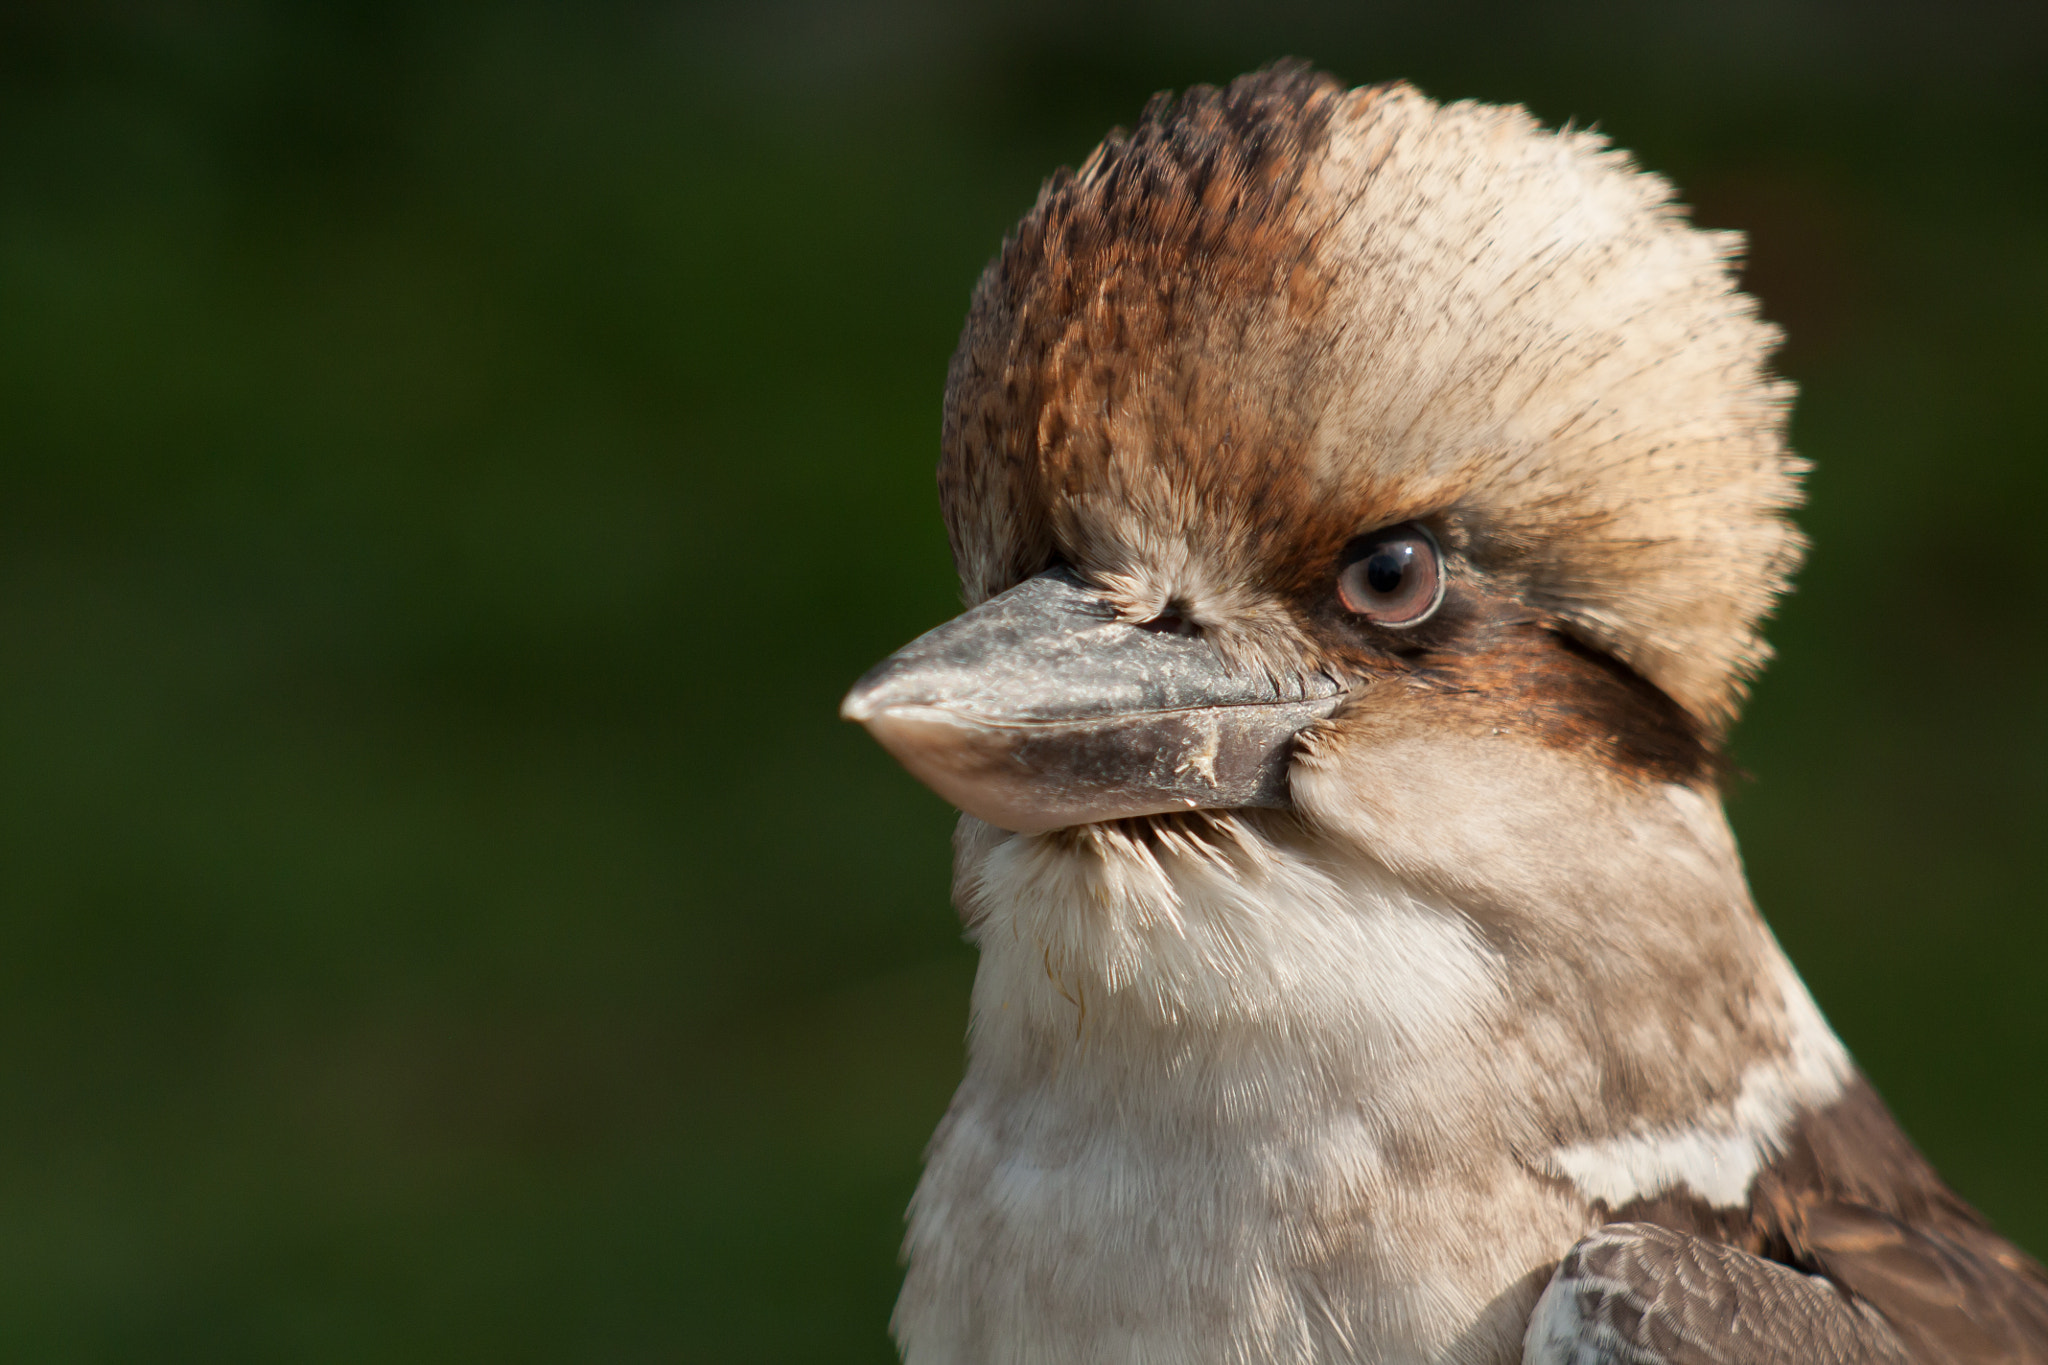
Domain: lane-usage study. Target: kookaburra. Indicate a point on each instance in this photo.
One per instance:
(1365, 509)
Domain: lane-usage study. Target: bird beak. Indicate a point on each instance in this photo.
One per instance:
(1039, 709)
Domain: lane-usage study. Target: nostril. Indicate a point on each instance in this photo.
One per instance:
(1173, 619)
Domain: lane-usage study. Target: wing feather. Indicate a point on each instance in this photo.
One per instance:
(1851, 1250)
(1639, 1294)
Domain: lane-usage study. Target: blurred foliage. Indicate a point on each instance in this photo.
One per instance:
(453, 457)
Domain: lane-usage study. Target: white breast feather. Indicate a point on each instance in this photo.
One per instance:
(1219, 1108)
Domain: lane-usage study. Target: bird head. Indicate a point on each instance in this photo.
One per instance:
(1346, 453)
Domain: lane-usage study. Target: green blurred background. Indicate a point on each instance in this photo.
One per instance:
(453, 456)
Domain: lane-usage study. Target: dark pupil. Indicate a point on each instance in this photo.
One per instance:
(1384, 571)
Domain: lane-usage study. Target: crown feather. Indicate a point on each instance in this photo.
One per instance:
(1282, 304)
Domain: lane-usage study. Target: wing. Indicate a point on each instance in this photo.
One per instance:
(1639, 1294)
(1955, 1293)
(1851, 1249)
(1852, 1199)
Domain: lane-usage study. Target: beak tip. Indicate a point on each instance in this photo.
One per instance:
(867, 698)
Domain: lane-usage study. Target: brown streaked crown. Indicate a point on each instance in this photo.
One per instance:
(1277, 315)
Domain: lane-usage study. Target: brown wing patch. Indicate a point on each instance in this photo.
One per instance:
(1642, 1293)
(1853, 1200)
(1857, 1203)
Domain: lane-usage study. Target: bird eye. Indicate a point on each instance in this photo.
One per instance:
(1393, 577)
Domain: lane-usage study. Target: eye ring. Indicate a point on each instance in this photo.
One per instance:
(1393, 577)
